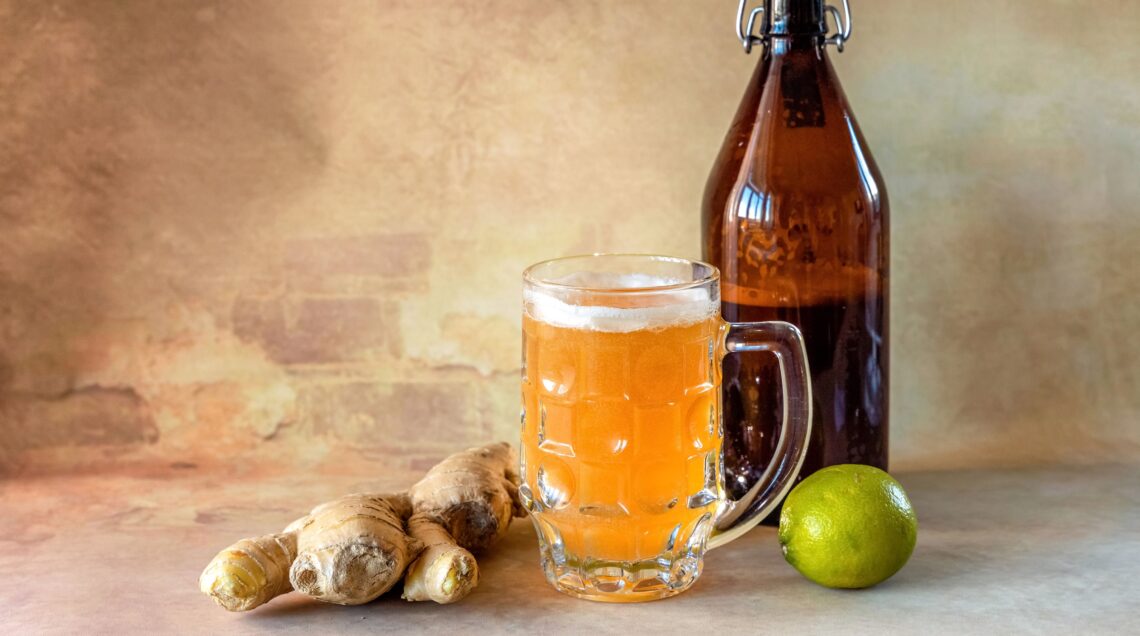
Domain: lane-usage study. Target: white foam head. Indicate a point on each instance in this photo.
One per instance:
(604, 311)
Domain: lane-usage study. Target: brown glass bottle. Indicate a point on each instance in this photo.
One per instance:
(795, 216)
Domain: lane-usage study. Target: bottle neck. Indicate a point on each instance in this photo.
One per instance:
(784, 44)
(793, 18)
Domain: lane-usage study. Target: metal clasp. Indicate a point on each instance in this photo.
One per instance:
(746, 27)
(744, 30)
(842, 26)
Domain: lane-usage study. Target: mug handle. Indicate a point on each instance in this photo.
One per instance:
(784, 341)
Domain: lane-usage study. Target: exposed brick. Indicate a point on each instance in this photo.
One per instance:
(85, 417)
(402, 416)
(261, 322)
(319, 330)
(358, 264)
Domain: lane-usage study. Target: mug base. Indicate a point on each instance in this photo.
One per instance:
(629, 597)
(608, 581)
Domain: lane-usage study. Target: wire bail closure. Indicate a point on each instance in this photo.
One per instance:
(842, 26)
(744, 31)
(746, 27)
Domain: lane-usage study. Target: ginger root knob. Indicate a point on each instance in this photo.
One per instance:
(250, 572)
(444, 572)
(354, 549)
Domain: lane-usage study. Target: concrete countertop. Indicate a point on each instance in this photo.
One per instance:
(1040, 550)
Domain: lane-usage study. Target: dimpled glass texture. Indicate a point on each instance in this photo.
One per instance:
(621, 454)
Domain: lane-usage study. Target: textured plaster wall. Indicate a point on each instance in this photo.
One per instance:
(293, 231)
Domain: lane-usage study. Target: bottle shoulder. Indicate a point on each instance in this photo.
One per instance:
(795, 208)
(796, 137)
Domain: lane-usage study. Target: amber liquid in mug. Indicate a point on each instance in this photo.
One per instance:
(621, 434)
(622, 443)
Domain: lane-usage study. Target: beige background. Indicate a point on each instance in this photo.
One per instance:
(291, 232)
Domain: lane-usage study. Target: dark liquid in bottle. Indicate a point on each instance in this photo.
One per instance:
(796, 217)
(847, 353)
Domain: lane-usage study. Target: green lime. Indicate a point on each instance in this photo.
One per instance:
(848, 526)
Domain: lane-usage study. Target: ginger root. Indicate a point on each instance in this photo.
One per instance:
(474, 493)
(251, 571)
(352, 550)
(444, 572)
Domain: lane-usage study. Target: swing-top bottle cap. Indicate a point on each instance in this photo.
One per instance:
(779, 18)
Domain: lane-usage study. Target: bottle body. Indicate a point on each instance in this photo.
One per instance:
(795, 215)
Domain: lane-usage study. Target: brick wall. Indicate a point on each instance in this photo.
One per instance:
(290, 234)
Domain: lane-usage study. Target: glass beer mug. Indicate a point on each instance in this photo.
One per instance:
(622, 438)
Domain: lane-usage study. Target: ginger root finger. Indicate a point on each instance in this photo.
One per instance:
(354, 549)
(473, 493)
(250, 572)
(444, 572)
